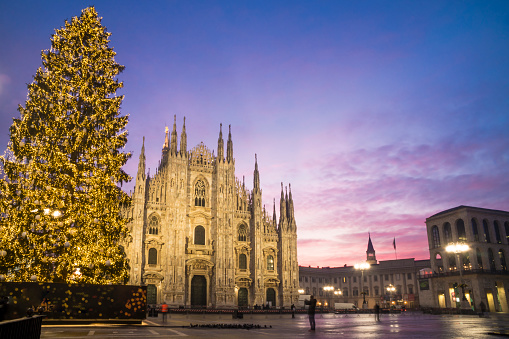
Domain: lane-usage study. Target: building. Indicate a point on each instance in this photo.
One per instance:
(480, 273)
(199, 237)
(390, 282)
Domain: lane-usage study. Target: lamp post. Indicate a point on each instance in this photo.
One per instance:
(390, 290)
(459, 248)
(362, 267)
(327, 290)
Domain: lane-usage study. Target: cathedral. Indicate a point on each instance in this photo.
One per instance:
(200, 238)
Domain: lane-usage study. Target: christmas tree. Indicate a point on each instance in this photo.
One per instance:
(60, 197)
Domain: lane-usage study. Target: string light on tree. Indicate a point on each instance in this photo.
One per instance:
(59, 196)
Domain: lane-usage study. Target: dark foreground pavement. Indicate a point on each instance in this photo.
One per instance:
(406, 325)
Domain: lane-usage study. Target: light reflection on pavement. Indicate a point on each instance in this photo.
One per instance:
(406, 325)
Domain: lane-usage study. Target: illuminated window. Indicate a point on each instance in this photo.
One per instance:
(199, 193)
(502, 260)
(270, 263)
(199, 235)
(152, 256)
(242, 261)
(460, 228)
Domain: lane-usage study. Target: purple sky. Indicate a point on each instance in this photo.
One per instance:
(379, 113)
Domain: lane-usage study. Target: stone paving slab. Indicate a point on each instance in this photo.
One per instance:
(407, 325)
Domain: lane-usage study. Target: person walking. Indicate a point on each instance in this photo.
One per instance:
(164, 311)
(293, 311)
(311, 311)
(377, 312)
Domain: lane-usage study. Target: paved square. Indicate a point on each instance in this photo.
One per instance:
(406, 325)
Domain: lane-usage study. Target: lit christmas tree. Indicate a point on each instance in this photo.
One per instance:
(60, 198)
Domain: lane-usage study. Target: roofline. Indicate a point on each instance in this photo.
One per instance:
(480, 209)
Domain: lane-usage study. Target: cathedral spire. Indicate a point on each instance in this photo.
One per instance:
(370, 253)
(274, 214)
(220, 145)
(166, 145)
(183, 140)
(229, 146)
(256, 178)
(291, 215)
(173, 142)
(141, 163)
(282, 208)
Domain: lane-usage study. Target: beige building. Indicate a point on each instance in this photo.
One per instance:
(480, 273)
(348, 283)
(199, 237)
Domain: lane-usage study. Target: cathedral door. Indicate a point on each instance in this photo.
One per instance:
(151, 294)
(243, 297)
(199, 291)
(271, 296)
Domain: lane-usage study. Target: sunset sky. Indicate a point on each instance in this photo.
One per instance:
(379, 113)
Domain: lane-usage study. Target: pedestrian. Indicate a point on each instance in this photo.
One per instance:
(293, 311)
(377, 312)
(164, 311)
(311, 311)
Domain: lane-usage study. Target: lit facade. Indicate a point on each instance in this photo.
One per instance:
(402, 274)
(484, 274)
(199, 237)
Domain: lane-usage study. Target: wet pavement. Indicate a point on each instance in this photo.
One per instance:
(405, 325)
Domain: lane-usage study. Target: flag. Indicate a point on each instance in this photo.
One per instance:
(394, 243)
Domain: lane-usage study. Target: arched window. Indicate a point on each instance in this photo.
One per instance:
(491, 259)
(438, 261)
(270, 263)
(452, 262)
(355, 292)
(447, 233)
(152, 256)
(497, 232)
(345, 292)
(199, 193)
(474, 230)
(199, 235)
(486, 231)
(465, 261)
(153, 225)
(436, 237)
(501, 256)
(479, 258)
(242, 233)
(460, 229)
(243, 261)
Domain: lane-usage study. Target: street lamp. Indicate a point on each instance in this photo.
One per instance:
(362, 267)
(459, 248)
(327, 290)
(390, 290)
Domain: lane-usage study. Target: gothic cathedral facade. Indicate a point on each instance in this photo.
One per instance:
(200, 238)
